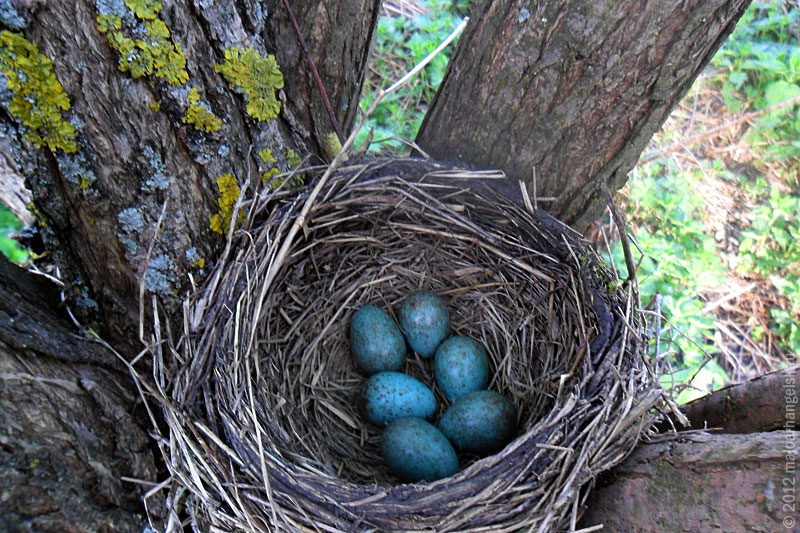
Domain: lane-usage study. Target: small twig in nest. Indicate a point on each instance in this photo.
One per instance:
(623, 237)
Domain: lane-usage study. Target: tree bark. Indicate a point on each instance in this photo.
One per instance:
(751, 407)
(72, 425)
(701, 482)
(339, 35)
(69, 427)
(138, 160)
(572, 91)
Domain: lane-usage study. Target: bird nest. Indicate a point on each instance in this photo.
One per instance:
(264, 432)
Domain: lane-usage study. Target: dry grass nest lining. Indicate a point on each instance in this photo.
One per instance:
(264, 431)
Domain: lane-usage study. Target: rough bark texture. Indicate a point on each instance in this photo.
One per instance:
(339, 35)
(750, 407)
(101, 204)
(700, 482)
(573, 90)
(66, 412)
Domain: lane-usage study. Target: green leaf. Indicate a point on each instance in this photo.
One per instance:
(780, 91)
(737, 78)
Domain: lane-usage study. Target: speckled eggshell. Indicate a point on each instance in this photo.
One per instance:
(387, 396)
(480, 422)
(377, 343)
(415, 450)
(425, 320)
(460, 366)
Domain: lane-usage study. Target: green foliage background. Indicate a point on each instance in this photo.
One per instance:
(9, 247)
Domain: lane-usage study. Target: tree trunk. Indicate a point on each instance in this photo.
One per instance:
(751, 407)
(743, 477)
(701, 482)
(69, 428)
(572, 91)
(141, 155)
(126, 198)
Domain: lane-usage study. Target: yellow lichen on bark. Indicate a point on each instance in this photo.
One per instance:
(228, 194)
(156, 54)
(37, 96)
(199, 115)
(255, 76)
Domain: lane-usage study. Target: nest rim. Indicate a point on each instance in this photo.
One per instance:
(301, 491)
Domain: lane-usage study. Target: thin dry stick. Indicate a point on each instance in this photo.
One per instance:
(337, 161)
(623, 237)
(716, 131)
(728, 297)
(421, 65)
(318, 80)
(146, 263)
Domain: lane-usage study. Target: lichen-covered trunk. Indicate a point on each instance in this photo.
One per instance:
(570, 90)
(124, 113)
(135, 124)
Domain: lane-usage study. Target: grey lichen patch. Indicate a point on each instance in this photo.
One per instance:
(180, 93)
(194, 258)
(77, 123)
(10, 17)
(192, 255)
(112, 7)
(201, 154)
(157, 179)
(6, 94)
(159, 277)
(131, 220)
(131, 246)
(524, 15)
(76, 169)
(85, 301)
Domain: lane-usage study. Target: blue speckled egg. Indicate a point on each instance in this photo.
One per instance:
(377, 343)
(425, 321)
(461, 367)
(387, 396)
(415, 450)
(480, 422)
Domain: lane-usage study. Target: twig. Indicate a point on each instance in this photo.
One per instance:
(657, 329)
(730, 296)
(146, 265)
(714, 131)
(623, 237)
(320, 86)
(340, 157)
(421, 65)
